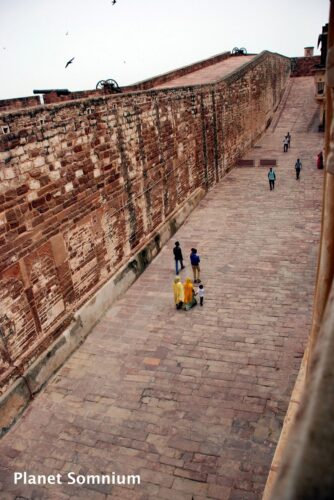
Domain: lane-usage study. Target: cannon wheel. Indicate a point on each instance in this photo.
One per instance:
(112, 83)
(235, 50)
(100, 84)
(243, 50)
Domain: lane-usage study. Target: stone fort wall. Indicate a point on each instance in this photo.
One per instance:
(84, 184)
(18, 103)
(304, 66)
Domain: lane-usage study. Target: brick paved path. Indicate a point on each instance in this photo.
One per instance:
(193, 401)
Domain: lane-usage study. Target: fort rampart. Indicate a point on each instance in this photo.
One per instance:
(88, 186)
(304, 66)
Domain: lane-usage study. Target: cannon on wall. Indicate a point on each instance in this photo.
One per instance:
(59, 92)
(239, 52)
(109, 85)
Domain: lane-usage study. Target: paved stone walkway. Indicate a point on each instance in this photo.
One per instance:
(209, 74)
(192, 401)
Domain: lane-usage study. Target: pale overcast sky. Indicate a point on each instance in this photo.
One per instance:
(137, 39)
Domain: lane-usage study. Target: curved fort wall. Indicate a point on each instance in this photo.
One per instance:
(86, 183)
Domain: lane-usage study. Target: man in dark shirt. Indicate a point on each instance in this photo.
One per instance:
(195, 260)
(298, 167)
(178, 257)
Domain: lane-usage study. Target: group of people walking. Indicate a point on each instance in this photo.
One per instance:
(272, 174)
(298, 164)
(185, 293)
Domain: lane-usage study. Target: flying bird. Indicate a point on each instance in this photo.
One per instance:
(69, 62)
(113, 2)
(66, 33)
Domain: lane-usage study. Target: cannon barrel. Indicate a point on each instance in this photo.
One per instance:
(48, 91)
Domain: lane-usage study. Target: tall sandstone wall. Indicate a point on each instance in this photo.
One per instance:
(85, 184)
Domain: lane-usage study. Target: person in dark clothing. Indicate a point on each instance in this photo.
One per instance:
(320, 160)
(298, 167)
(178, 257)
(288, 135)
(195, 260)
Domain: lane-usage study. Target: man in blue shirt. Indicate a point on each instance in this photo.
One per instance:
(195, 260)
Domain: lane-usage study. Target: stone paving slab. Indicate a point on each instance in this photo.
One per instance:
(192, 401)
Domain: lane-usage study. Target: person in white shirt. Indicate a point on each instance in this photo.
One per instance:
(201, 294)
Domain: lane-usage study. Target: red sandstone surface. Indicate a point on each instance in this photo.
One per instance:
(209, 74)
(86, 184)
(194, 401)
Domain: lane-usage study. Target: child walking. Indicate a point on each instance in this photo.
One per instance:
(195, 260)
(201, 294)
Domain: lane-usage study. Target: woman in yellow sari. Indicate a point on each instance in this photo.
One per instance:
(178, 292)
(189, 294)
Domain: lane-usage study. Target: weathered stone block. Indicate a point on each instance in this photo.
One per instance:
(7, 173)
(34, 184)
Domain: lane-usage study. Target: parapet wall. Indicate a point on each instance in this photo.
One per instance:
(85, 184)
(53, 97)
(18, 103)
(165, 77)
(303, 66)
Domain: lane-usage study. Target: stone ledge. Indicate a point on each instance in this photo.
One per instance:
(13, 403)
(18, 396)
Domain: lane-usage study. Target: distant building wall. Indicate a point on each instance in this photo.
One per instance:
(85, 183)
(303, 66)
